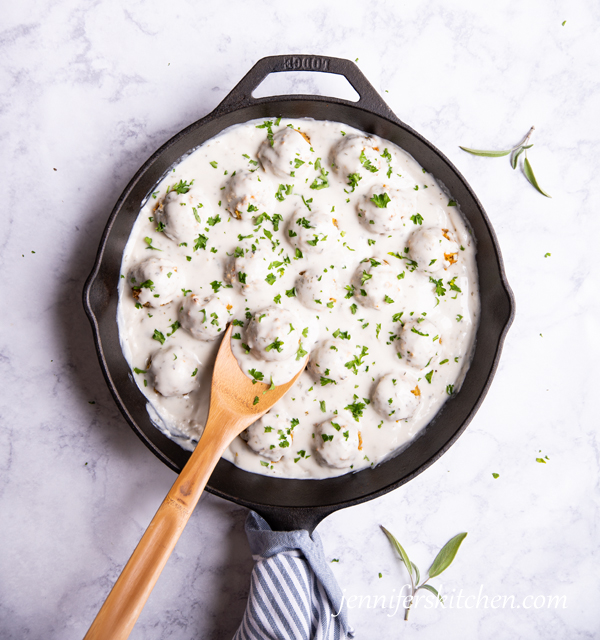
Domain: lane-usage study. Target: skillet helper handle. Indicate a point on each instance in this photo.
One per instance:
(125, 602)
(241, 94)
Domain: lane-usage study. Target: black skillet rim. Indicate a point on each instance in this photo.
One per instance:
(370, 109)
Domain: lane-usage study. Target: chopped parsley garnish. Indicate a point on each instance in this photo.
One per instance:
(356, 409)
(323, 408)
(307, 203)
(303, 222)
(357, 361)
(344, 335)
(147, 284)
(366, 163)
(216, 285)
(256, 375)
(214, 220)
(428, 376)
(415, 330)
(321, 181)
(174, 328)
(451, 203)
(284, 190)
(271, 278)
(194, 372)
(439, 286)
(254, 402)
(291, 293)
(380, 200)
(149, 243)
(353, 309)
(417, 218)
(450, 389)
(158, 336)
(267, 124)
(277, 344)
(201, 241)
(182, 187)
(213, 164)
(353, 180)
(452, 285)
(388, 300)
(326, 381)
(301, 352)
(136, 370)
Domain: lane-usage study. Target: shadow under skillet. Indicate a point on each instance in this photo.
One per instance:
(222, 592)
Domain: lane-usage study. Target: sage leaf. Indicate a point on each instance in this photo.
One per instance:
(403, 555)
(432, 590)
(446, 555)
(417, 573)
(515, 157)
(487, 154)
(517, 153)
(532, 179)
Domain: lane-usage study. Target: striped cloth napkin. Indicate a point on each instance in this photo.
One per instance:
(293, 592)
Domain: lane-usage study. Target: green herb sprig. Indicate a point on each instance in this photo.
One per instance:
(515, 153)
(441, 562)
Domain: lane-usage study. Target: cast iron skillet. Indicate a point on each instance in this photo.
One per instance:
(302, 504)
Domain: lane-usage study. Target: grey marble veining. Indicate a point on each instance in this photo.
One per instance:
(88, 90)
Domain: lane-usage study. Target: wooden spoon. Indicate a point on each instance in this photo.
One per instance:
(235, 403)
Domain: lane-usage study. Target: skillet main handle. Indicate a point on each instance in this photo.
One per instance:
(369, 98)
(125, 602)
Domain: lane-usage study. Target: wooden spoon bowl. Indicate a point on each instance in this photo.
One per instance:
(235, 403)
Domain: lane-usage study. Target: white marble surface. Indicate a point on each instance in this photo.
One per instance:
(91, 88)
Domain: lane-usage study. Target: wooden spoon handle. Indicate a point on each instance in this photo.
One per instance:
(125, 602)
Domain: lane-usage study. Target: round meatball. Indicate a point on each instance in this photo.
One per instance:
(384, 210)
(376, 284)
(175, 371)
(289, 152)
(154, 282)
(205, 318)
(337, 442)
(356, 154)
(317, 289)
(396, 396)
(432, 248)
(310, 231)
(180, 216)
(327, 363)
(246, 193)
(271, 334)
(419, 342)
(270, 437)
(250, 267)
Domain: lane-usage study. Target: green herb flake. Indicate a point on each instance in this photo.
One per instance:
(158, 336)
(380, 200)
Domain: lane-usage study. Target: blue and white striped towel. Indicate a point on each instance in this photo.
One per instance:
(293, 592)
